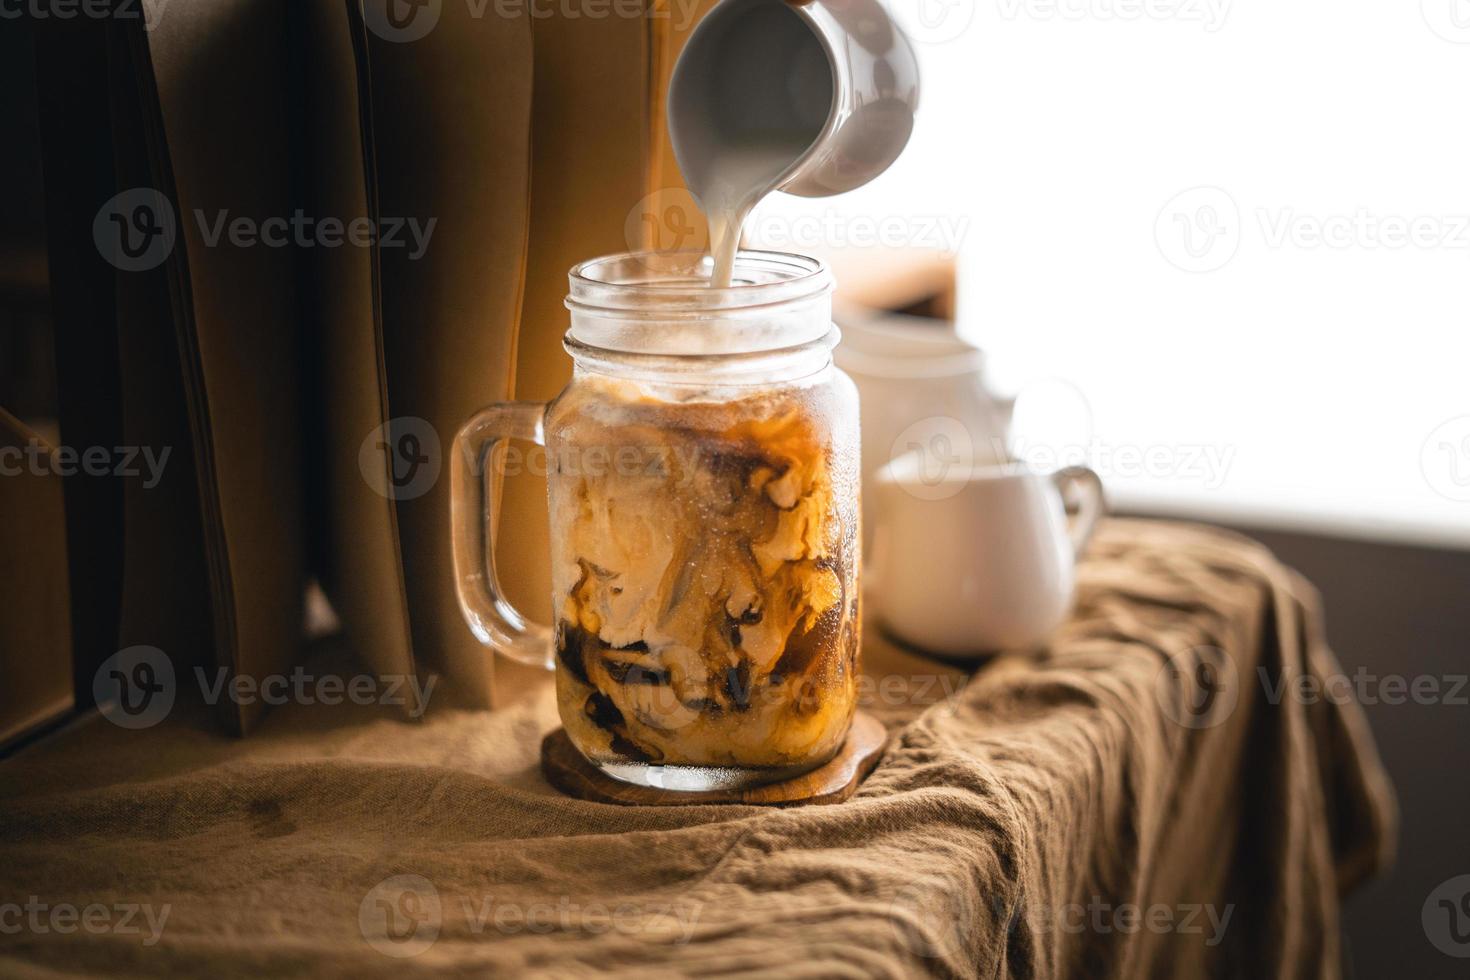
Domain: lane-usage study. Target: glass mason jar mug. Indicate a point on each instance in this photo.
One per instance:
(703, 484)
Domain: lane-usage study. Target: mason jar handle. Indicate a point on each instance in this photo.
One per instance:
(1082, 490)
(474, 512)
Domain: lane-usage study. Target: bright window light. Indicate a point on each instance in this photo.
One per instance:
(1238, 233)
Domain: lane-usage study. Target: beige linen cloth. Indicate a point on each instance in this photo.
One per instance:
(1133, 803)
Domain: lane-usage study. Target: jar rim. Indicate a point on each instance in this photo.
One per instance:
(660, 283)
(660, 304)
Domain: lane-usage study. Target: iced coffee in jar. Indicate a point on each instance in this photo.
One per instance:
(703, 485)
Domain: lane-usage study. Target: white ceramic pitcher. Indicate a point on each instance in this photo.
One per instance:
(972, 559)
(813, 98)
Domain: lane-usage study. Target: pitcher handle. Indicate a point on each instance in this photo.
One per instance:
(474, 515)
(1082, 491)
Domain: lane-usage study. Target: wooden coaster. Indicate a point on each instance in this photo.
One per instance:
(567, 770)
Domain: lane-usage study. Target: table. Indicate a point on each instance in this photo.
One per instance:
(1138, 800)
